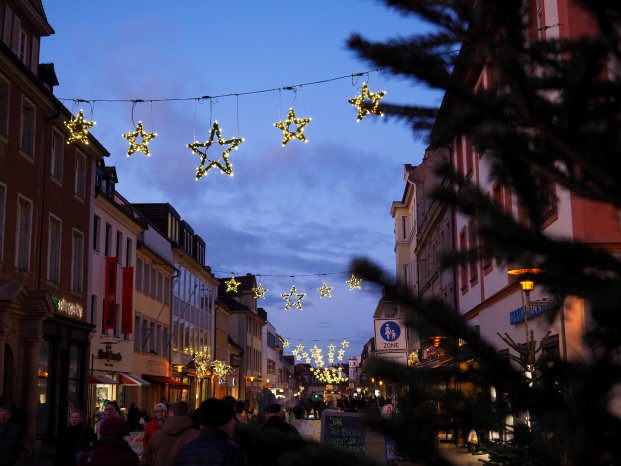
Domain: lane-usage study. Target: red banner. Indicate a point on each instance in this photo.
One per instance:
(109, 312)
(127, 305)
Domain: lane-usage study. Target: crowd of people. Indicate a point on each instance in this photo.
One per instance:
(218, 432)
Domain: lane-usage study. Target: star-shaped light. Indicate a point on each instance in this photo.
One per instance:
(232, 284)
(224, 167)
(78, 128)
(259, 291)
(354, 283)
(364, 107)
(285, 344)
(143, 146)
(325, 291)
(297, 298)
(345, 344)
(299, 132)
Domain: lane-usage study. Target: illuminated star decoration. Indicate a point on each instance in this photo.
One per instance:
(364, 107)
(259, 291)
(345, 344)
(225, 168)
(144, 138)
(285, 344)
(325, 291)
(299, 132)
(298, 297)
(232, 284)
(78, 128)
(354, 283)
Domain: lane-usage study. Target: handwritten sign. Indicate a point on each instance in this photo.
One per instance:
(343, 430)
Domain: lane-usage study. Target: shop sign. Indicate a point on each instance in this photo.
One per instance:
(69, 309)
(109, 312)
(398, 357)
(536, 308)
(109, 355)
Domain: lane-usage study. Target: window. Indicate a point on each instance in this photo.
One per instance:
(80, 175)
(463, 268)
(27, 137)
(4, 108)
(158, 339)
(119, 246)
(2, 215)
(57, 156)
(472, 245)
(152, 337)
(271, 340)
(139, 273)
(404, 231)
(53, 250)
(144, 335)
(153, 282)
(128, 253)
(108, 240)
(271, 366)
(159, 286)
(96, 232)
(469, 157)
(147, 279)
(405, 274)
(167, 290)
(23, 234)
(77, 261)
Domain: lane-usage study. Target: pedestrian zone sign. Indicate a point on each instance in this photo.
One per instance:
(390, 335)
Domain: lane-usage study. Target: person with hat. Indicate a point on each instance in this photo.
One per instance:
(112, 448)
(213, 445)
(164, 443)
(277, 435)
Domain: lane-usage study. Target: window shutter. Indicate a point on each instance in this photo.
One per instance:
(34, 55)
(6, 32)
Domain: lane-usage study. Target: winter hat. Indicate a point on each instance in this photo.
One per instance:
(113, 426)
(161, 406)
(215, 413)
(273, 408)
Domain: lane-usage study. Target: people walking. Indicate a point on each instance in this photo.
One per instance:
(213, 445)
(163, 443)
(112, 448)
(111, 409)
(11, 439)
(133, 417)
(159, 416)
(74, 441)
(278, 436)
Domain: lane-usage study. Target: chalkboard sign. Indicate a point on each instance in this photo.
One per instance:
(343, 430)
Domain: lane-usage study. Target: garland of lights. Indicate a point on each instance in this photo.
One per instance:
(78, 128)
(316, 352)
(144, 138)
(202, 169)
(288, 135)
(259, 291)
(232, 285)
(363, 105)
(329, 374)
(325, 291)
(298, 297)
(202, 361)
(354, 283)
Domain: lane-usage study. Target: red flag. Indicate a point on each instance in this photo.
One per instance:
(109, 313)
(127, 304)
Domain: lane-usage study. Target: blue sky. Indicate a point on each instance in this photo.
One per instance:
(302, 210)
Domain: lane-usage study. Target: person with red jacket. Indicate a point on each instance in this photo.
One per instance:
(156, 423)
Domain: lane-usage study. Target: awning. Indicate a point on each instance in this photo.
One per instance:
(172, 383)
(127, 378)
(101, 378)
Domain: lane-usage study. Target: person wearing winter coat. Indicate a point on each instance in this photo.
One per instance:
(77, 439)
(11, 439)
(160, 413)
(163, 443)
(213, 445)
(112, 448)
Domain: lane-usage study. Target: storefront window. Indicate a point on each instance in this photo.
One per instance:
(43, 388)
